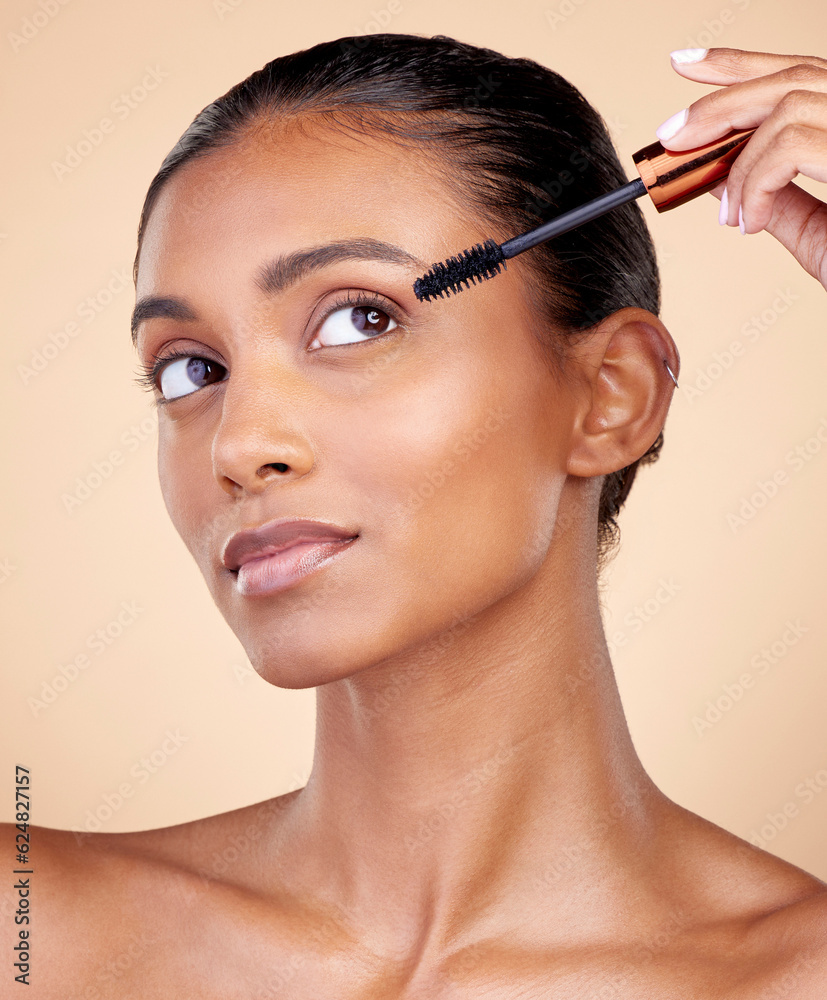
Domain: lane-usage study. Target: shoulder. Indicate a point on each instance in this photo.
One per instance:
(758, 920)
(797, 931)
(208, 848)
(92, 896)
(43, 908)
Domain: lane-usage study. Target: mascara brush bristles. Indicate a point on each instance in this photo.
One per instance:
(484, 260)
(480, 262)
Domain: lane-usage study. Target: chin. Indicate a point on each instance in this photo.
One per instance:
(295, 671)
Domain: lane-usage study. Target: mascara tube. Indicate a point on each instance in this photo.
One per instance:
(674, 178)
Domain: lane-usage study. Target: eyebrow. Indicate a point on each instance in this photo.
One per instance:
(280, 273)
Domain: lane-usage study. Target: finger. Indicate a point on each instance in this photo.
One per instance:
(741, 106)
(792, 141)
(798, 222)
(718, 190)
(728, 66)
(758, 192)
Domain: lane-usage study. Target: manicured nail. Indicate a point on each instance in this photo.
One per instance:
(723, 212)
(741, 221)
(672, 125)
(682, 56)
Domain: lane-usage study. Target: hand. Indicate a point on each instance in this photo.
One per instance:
(786, 97)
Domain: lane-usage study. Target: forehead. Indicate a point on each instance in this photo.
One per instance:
(295, 185)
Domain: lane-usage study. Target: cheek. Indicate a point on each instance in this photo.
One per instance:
(464, 473)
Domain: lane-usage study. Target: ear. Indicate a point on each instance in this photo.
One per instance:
(625, 393)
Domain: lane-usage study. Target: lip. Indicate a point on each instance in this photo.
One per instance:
(280, 570)
(274, 537)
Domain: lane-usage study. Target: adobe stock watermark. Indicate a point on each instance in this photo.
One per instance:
(652, 944)
(138, 946)
(418, 668)
(483, 89)
(243, 671)
(224, 7)
(121, 108)
(141, 771)
(796, 459)
(378, 20)
(552, 187)
(86, 311)
(714, 27)
(220, 181)
(375, 367)
(399, 681)
(464, 448)
(804, 794)
(751, 332)
(733, 692)
(6, 570)
(337, 924)
(276, 980)
(239, 845)
(103, 469)
(469, 786)
(98, 642)
(41, 17)
(596, 664)
(648, 947)
(567, 858)
(561, 12)
(642, 614)
(788, 986)
(275, 646)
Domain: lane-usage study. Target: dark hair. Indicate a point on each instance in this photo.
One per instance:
(518, 141)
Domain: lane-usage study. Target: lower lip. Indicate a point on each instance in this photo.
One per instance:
(270, 574)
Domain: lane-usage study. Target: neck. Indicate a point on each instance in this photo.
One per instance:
(492, 763)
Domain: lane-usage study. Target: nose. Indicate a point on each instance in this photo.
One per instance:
(259, 438)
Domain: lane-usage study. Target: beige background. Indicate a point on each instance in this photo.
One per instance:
(175, 666)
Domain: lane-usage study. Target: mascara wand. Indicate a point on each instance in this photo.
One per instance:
(670, 179)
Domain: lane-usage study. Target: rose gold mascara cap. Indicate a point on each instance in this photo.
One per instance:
(674, 178)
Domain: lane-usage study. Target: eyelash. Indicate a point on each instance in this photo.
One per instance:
(147, 377)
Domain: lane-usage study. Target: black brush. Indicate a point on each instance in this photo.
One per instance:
(669, 178)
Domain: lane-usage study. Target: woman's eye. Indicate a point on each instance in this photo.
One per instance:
(352, 324)
(185, 375)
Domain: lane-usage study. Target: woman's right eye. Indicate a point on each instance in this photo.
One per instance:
(186, 374)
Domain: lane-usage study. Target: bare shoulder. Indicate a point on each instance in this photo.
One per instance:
(799, 930)
(99, 905)
(208, 848)
(227, 846)
(44, 907)
(759, 916)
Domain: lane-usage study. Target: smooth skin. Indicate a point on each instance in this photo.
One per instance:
(477, 822)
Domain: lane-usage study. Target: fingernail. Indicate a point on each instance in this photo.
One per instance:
(723, 212)
(682, 56)
(741, 221)
(672, 125)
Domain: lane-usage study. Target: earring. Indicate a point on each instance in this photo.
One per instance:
(671, 373)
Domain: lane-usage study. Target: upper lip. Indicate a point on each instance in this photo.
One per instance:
(272, 537)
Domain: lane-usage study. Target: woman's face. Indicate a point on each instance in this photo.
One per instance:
(438, 435)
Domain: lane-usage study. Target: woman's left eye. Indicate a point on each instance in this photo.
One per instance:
(352, 324)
